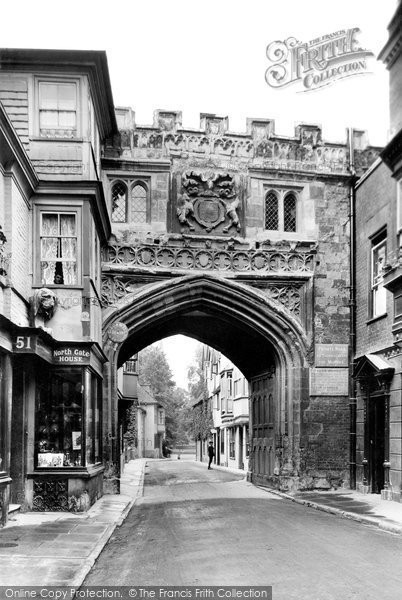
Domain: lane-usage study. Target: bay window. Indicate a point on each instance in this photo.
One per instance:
(59, 248)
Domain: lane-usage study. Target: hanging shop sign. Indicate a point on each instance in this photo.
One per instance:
(32, 344)
(71, 355)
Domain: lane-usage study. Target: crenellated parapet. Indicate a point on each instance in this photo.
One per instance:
(259, 147)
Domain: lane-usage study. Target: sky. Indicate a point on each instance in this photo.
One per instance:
(209, 56)
(180, 352)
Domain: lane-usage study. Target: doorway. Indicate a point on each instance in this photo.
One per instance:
(376, 423)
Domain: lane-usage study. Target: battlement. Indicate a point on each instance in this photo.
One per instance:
(259, 144)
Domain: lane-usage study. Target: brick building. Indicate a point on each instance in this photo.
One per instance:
(377, 368)
(240, 240)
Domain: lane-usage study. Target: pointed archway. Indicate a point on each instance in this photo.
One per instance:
(256, 333)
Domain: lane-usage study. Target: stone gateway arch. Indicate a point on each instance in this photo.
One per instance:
(256, 332)
(241, 242)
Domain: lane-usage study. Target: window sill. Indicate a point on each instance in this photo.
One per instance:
(54, 286)
(83, 472)
(377, 318)
(39, 138)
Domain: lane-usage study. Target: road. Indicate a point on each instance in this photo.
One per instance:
(204, 528)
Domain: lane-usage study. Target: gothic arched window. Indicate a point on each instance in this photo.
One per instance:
(139, 203)
(289, 212)
(271, 211)
(119, 202)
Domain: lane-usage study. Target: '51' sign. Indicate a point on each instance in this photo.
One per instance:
(24, 343)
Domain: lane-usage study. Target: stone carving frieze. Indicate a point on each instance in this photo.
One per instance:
(309, 153)
(187, 257)
(208, 199)
(287, 295)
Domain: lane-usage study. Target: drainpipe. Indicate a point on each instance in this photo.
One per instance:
(352, 320)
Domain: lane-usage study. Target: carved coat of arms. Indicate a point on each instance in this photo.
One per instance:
(209, 200)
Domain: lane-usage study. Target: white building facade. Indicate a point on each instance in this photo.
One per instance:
(228, 398)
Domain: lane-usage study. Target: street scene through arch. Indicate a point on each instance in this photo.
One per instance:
(266, 344)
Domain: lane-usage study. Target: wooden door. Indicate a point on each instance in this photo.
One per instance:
(376, 423)
(263, 408)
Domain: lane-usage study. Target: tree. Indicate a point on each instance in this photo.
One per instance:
(198, 390)
(154, 370)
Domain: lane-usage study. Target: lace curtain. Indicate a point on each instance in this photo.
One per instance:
(68, 249)
(59, 248)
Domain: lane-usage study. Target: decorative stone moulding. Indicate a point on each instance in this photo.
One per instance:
(207, 200)
(306, 151)
(288, 295)
(208, 259)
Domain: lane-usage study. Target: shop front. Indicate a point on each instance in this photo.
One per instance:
(56, 453)
(5, 411)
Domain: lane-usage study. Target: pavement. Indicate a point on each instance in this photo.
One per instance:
(59, 549)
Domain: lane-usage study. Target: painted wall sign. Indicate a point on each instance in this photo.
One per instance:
(71, 355)
(329, 382)
(331, 355)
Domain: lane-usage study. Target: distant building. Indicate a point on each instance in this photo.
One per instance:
(227, 402)
(142, 418)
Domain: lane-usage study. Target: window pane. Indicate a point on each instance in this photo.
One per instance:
(67, 120)
(139, 204)
(379, 301)
(67, 225)
(58, 427)
(379, 255)
(98, 422)
(48, 119)
(69, 273)
(119, 202)
(271, 211)
(67, 96)
(50, 224)
(48, 95)
(289, 213)
(379, 294)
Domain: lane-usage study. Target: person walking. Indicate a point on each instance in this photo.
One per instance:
(211, 454)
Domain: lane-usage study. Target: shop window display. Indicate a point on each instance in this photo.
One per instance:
(64, 402)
